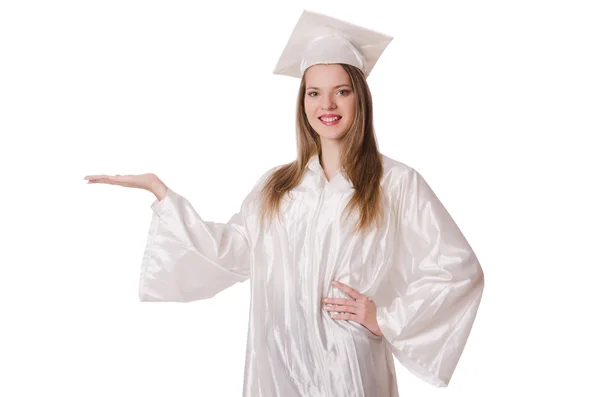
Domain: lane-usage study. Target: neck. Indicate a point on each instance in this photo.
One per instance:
(330, 153)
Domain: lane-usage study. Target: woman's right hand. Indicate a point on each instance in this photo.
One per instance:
(149, 182)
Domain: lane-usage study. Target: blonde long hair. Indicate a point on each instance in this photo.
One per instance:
(359, 157)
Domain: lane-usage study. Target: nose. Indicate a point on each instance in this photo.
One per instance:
(328, 102)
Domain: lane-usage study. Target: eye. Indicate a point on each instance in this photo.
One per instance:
(346, 91)
(310, 94)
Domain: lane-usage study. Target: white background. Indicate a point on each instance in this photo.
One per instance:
(495, 103)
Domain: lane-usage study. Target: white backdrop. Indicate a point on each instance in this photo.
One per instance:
(496, 104)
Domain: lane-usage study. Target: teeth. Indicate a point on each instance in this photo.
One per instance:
(330, 119)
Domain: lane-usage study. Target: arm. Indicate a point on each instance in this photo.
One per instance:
(188, 258)
(430, 299)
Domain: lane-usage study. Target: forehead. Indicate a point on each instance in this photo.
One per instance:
(324, 76)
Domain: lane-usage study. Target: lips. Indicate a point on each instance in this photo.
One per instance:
(330, 118)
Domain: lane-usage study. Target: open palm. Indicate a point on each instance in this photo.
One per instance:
(143, 181)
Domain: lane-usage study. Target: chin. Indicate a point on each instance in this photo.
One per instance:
(331, 133)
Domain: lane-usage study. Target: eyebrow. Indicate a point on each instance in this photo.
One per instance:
(337, 86)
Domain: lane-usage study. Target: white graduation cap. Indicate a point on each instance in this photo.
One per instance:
(319, 38)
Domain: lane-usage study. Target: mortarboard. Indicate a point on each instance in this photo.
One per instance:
(319, 38)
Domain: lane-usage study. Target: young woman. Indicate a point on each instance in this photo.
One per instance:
(351, 257)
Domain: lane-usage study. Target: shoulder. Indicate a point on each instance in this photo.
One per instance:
(404, 184)
(397, 174)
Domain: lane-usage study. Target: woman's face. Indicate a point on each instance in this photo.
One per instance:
(329, 100)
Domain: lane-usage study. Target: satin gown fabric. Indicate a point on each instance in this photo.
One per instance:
(424, 277)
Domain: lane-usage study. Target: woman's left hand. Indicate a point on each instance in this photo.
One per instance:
(359, 309)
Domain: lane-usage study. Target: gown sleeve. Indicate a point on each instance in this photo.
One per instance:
(187, 258)
(428, 303)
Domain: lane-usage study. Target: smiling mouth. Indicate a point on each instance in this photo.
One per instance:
(330, 119)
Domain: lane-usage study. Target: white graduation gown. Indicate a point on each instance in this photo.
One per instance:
(425, 279)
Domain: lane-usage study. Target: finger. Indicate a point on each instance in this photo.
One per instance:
(95, 180)
(118, 179)
(92, 177)
(340, 301)
(102, 180)
(101, 177)
(113, 182)
(347, 289)
(108, 181)
(341, 308)
(345, 316)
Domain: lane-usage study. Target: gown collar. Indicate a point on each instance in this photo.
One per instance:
(339, 179)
